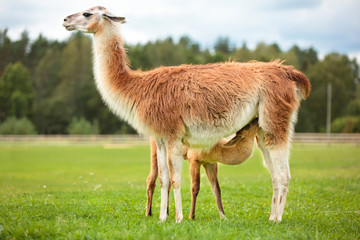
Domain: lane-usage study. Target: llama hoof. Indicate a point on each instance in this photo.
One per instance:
(162, 219)
(272, 218)
(275, 219)
(179, 219)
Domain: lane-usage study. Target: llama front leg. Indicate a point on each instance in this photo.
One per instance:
(151, 180)
(277, 161)
(175, 160)
(150, 187)
(163, 177)
(212, 174)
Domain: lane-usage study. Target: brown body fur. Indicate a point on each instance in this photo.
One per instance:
(168, 99)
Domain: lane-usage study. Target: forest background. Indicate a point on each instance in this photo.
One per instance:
(48, 87)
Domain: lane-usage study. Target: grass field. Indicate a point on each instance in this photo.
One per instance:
(92, 192)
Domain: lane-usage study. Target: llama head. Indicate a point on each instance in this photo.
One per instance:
(92, 20)
(247, 132)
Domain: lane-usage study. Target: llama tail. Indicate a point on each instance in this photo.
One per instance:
(302, 82)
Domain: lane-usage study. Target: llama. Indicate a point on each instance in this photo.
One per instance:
(232, 152)
(196, 105)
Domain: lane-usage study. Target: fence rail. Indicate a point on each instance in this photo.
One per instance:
(325, 138)
(76, 139)
(338, 138)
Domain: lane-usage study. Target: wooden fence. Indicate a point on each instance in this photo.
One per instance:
(136, 139)
(339, 138)
(75, 139)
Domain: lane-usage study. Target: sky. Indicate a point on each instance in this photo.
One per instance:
(326, 25)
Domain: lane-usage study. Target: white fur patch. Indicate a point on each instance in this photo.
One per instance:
(204, 136)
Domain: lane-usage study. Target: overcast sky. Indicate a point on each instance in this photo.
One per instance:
(326, 25)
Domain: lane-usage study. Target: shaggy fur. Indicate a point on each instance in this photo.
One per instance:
(170, 100)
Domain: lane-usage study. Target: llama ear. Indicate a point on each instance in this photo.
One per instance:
(114, 18)
(233, 141)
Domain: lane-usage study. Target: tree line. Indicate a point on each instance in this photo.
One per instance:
(47, 86)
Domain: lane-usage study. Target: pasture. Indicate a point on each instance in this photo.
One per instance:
(96, 192)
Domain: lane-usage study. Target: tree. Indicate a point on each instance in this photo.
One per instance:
(264, 52)
(37, 50)
(16, 92)
(20, 49)
(347, 124)
(5, 50)
(75, 74)
(46, 80)
(341, 73)
(52, 116)
(190, 49)
(306, 57)
(13, 126)
(223, 45)
(83, 127)
(243, 54)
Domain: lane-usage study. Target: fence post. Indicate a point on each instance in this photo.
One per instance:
(328, 112)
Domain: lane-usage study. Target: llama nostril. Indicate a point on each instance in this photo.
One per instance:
(65, 19)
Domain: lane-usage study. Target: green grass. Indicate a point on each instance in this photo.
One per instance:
(90, 192)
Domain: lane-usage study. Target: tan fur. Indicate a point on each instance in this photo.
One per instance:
(168, 99)
(240, 151)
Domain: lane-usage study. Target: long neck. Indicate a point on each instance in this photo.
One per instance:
(114, 79)
(110, 55)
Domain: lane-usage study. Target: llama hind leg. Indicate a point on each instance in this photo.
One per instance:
(195, 185)
(212, 174)
(276, 118)
(277, 161)
(280, 180)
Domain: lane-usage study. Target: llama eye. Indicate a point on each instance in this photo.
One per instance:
(87, 15)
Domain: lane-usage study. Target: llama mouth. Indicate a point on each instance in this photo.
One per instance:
(69, 27)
